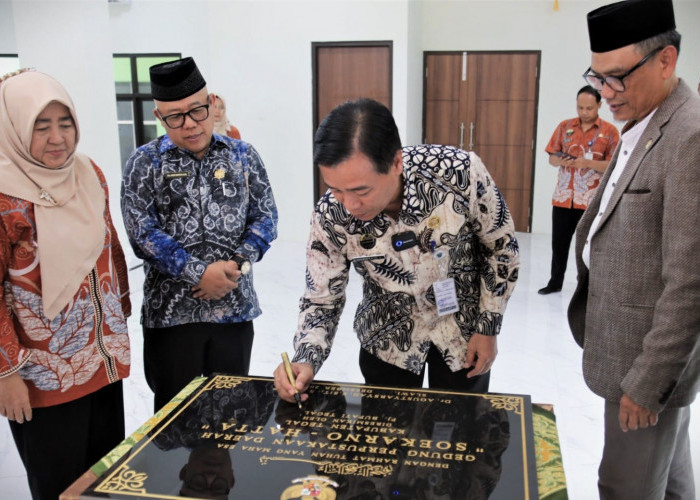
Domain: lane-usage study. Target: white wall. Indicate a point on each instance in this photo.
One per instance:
(8, 45)
(154, 26)
(414, 94)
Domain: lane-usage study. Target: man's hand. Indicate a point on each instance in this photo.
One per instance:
(577, 163)
(555, 160)
(481, 349)
(14, 399)
(219, 278)
(632, 416)
(304, 375)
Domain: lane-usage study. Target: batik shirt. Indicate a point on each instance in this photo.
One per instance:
(465, 232)
(86, 346)
(576, 186)
(182, 214)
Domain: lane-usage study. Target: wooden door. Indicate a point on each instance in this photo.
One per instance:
(346, 71)
(487, 102)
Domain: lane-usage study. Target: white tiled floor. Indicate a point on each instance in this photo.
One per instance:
(537, 356)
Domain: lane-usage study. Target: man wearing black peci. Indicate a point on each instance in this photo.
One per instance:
(198, 209)
(635, 310)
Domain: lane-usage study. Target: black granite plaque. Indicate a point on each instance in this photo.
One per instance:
(234, 438)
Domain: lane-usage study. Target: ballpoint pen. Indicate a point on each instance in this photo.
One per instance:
(290, 375)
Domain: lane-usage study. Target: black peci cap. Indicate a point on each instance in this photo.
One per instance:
(175, 80)
(623, 23)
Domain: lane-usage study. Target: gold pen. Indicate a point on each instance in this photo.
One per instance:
(290, 375)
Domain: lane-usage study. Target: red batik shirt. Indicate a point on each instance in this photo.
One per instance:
(576, 186)
(86, 346)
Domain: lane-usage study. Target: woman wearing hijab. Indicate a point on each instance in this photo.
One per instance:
(64, 347)
(221, 124)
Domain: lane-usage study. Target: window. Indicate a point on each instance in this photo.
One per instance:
(8, 63)
(137, 125)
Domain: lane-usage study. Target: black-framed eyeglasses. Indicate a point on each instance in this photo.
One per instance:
(177, 120)
(615, 83)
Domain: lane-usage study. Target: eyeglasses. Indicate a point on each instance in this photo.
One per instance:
(177, 120)
(615, 83)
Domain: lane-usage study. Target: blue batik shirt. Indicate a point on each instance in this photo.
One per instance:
(182, 214)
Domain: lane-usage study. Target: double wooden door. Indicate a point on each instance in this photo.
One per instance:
(486, 102)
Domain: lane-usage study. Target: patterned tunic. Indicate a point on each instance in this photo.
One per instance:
(182, 214)
(86, 346)
(452, 204)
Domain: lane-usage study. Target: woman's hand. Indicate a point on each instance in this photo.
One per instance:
(14, 399)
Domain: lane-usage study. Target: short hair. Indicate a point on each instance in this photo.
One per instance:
(671, 37)
(589, 90)
(363, 125)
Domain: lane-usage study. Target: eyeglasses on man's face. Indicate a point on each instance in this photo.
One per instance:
(615, 83)
(177, 120)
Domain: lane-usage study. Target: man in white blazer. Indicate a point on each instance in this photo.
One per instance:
(636, 309)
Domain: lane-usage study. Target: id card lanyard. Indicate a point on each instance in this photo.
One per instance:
(588, 155)
(444, 288)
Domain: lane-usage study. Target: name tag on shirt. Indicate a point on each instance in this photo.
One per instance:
(367, 257)
(446, 296)
(176, 175)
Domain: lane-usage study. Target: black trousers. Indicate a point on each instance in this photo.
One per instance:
(564, 221)
(378, 372)
(61, 442)
(173, 356)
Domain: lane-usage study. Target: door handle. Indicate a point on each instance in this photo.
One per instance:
(461, 135)
(471, 136)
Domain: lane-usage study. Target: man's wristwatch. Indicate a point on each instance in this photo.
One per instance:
(243, 263)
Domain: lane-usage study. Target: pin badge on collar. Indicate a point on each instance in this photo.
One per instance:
(434, 222)
(367, 241)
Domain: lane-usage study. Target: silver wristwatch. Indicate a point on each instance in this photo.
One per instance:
(243, 263)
